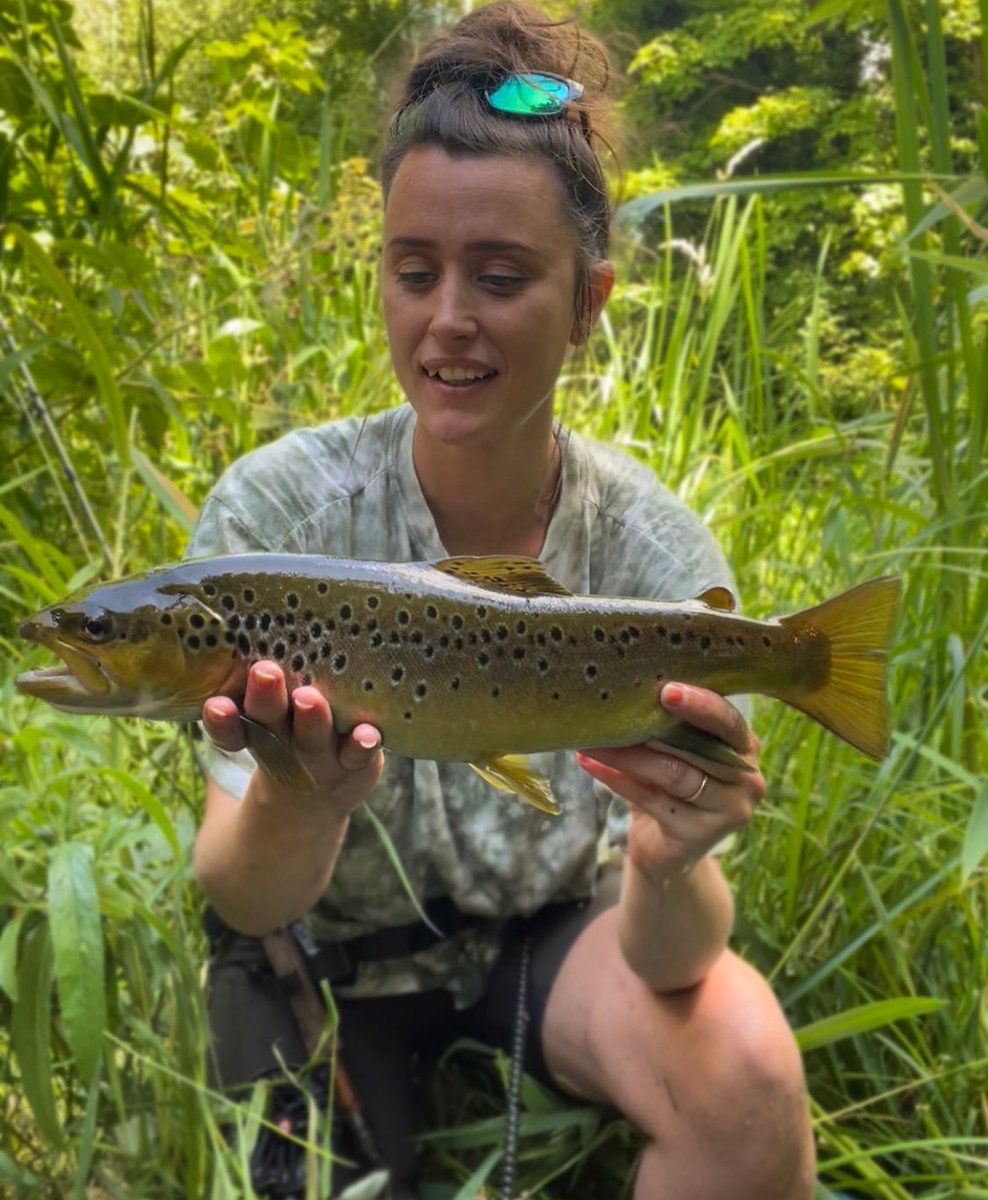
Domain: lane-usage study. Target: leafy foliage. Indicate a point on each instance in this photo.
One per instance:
(187, 267)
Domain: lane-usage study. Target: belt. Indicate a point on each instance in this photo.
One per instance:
(337, 961)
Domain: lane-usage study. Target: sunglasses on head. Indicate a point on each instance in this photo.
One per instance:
(534, 94)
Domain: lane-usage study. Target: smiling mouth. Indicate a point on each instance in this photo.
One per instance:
(458, 376)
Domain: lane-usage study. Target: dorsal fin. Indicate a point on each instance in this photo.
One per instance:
(503, 573)
(718, 597)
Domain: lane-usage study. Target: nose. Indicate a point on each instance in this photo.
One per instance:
(453, 318)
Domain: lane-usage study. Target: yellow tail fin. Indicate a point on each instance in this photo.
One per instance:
(853, 699)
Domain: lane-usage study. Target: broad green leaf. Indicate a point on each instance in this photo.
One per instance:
(8, 953)
(976, 835)
(151, 805)
(77, 942)
(172, 498)
(863, 1019)
(30, 1029)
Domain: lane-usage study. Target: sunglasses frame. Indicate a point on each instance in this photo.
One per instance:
(574, 91)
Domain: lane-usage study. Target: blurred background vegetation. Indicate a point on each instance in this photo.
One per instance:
(189, 221)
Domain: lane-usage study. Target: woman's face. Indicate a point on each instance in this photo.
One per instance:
(478, 280)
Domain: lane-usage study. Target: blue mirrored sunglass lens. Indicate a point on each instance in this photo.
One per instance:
(532, 94)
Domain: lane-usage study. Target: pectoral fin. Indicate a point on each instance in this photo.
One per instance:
(277, 758)
(511, 773)
(681, 736)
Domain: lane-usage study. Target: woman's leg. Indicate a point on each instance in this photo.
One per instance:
(711, 1074)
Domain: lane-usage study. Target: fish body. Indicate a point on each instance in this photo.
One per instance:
(466, 659)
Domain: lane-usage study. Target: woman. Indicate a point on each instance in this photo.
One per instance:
(494, 264)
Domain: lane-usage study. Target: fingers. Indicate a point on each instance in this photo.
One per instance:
(710, 712)
(651, 769)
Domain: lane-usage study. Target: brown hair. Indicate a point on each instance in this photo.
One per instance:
(444, 104)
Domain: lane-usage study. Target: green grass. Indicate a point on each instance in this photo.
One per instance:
(166, 314)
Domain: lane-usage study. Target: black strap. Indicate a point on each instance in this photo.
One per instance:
(337, 961)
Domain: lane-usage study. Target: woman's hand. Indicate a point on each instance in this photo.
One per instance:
(682, 805)
(343, 767)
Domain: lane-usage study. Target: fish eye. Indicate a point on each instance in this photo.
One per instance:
(97, 627)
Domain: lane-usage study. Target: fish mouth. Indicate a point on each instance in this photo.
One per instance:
(79, 682)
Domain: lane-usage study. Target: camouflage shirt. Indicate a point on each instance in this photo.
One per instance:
(349, 489)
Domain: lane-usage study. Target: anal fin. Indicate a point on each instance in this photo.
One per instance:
(681, 736)
(275, 756)
(511, 773)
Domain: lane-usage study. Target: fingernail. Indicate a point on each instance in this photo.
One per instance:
(673, 693)
(303, 706)
(265, 676)
(366, 740)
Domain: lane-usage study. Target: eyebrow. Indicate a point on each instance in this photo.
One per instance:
(486, 244)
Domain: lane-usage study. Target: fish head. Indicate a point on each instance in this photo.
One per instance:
(139, 647)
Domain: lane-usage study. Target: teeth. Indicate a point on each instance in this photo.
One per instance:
(457, 374)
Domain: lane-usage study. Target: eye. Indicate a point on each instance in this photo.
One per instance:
(98, 627)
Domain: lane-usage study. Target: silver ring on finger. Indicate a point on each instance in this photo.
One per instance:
(692, 799)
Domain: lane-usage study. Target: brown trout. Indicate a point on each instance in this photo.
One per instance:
(471, 659)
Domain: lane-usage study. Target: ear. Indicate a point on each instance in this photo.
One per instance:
(596, 290)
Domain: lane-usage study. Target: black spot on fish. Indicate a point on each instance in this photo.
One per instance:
(298, 662)
(766, 640)
(501, 632)
(346, 612)
(306, 679)
(262, 647)
(293, 638)
(264, 621)
(553, 695)
(403, 616)
(211, 640)
(166, 618)
(625, 636)
(354, 628)
(409, 596)
(540, 639)
(339, 662)
(322, 588)
(325, 650)
(556, 633)
(431, 611)
(233, 622)
(368, 685)
(481, 611)
(518, 653)
(660, 630)
(472, 639)
(458, 643)
(209, 589)
(740, 640)
(372, 603)
(495, 691)
(371, 625)
(397, 673)
(192, 642)
(675, 638)
(250, 621)
(605, 695)
(289, 618)
(244, 643)
(420, 690)
(454, 683)
(229, 638)
(704, 642)
(248, 595)
(543, 666)
(456, 621)
(376, 639)
(228, 603)
(620, 652)
(598, 634)
(291, 600)
(443, 640)
(308, 615)
(279, 620)
(634, 631)
(313, 657)
(729, 639)
(590, 671)
(279, 650)
(416, 637)
(483, 659)
(394, 637)
(407, 716)
(521, 627)
(485, 636)
(197, 620)
(330, 625)
(428, 650)
(315, 629)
